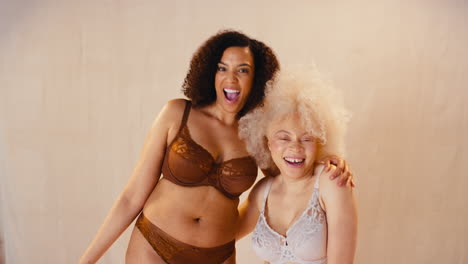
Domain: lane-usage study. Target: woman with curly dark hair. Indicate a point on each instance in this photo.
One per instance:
(189, 215)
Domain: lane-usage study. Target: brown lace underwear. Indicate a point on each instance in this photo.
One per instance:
(174, 251)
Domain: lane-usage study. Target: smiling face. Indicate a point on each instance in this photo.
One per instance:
(292, 148)
(234, 78)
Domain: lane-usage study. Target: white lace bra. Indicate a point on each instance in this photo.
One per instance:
(305, 241)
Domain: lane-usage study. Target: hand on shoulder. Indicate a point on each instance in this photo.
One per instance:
(341, 171)
(331, 193)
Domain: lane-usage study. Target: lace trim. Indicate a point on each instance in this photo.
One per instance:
(311, 221)
(186, 148)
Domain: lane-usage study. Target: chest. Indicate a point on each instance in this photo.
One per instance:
(282, 211)
(188, 163)
(304, 241)
(220, 141)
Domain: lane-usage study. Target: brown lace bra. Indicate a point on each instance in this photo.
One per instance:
(186, 163)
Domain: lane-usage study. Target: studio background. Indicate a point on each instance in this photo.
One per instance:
(81, 82)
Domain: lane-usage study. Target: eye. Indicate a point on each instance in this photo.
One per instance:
(244, 70)
(221, 68)
(307, 139)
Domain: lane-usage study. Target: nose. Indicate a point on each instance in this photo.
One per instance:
(295, 145)
(231, 76)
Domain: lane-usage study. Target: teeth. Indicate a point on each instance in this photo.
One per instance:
(231, 91)
(292, 160)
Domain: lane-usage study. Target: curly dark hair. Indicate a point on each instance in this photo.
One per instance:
(199, 83)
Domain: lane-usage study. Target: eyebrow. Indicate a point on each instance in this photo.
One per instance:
(282, 131)
(240, 65)
(287, 132)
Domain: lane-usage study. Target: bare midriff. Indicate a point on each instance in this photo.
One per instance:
(200, 216)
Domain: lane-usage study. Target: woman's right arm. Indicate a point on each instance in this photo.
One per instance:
(141, 183)
(249, 210)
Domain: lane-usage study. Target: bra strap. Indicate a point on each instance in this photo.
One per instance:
(266, 192)
(317, 181)
(188, 105)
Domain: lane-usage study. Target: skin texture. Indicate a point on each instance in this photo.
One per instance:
(292, 189)
(292, 144)
(200, 216)
(235, 72)
(204, 217)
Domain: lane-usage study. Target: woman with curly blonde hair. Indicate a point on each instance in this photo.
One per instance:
(298, 216)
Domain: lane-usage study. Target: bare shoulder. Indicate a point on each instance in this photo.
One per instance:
(173, 108)
(256, 194)
(330, 185)
(165, 125)
(171, 113)
(330, 191)
(178, 103)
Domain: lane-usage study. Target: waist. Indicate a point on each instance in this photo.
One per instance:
(199, 216)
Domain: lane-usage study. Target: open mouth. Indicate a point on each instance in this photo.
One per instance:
(294, 161)
(231, 95)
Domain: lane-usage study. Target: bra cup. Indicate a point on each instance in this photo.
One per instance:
(308, 236)
(304, 251)
(191, 172)
(266, 244)
(308, 244)
(305, 240)
(187, 163)
(236, 176)
(266, 254)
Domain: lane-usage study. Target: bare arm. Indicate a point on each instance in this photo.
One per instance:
(340, 206)
(249, 210)
(141, 183)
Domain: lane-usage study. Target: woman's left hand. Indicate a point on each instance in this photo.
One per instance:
(342, 171)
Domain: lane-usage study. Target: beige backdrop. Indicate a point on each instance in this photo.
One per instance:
(81, 81)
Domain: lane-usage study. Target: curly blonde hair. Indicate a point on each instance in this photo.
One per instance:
(303, 91)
